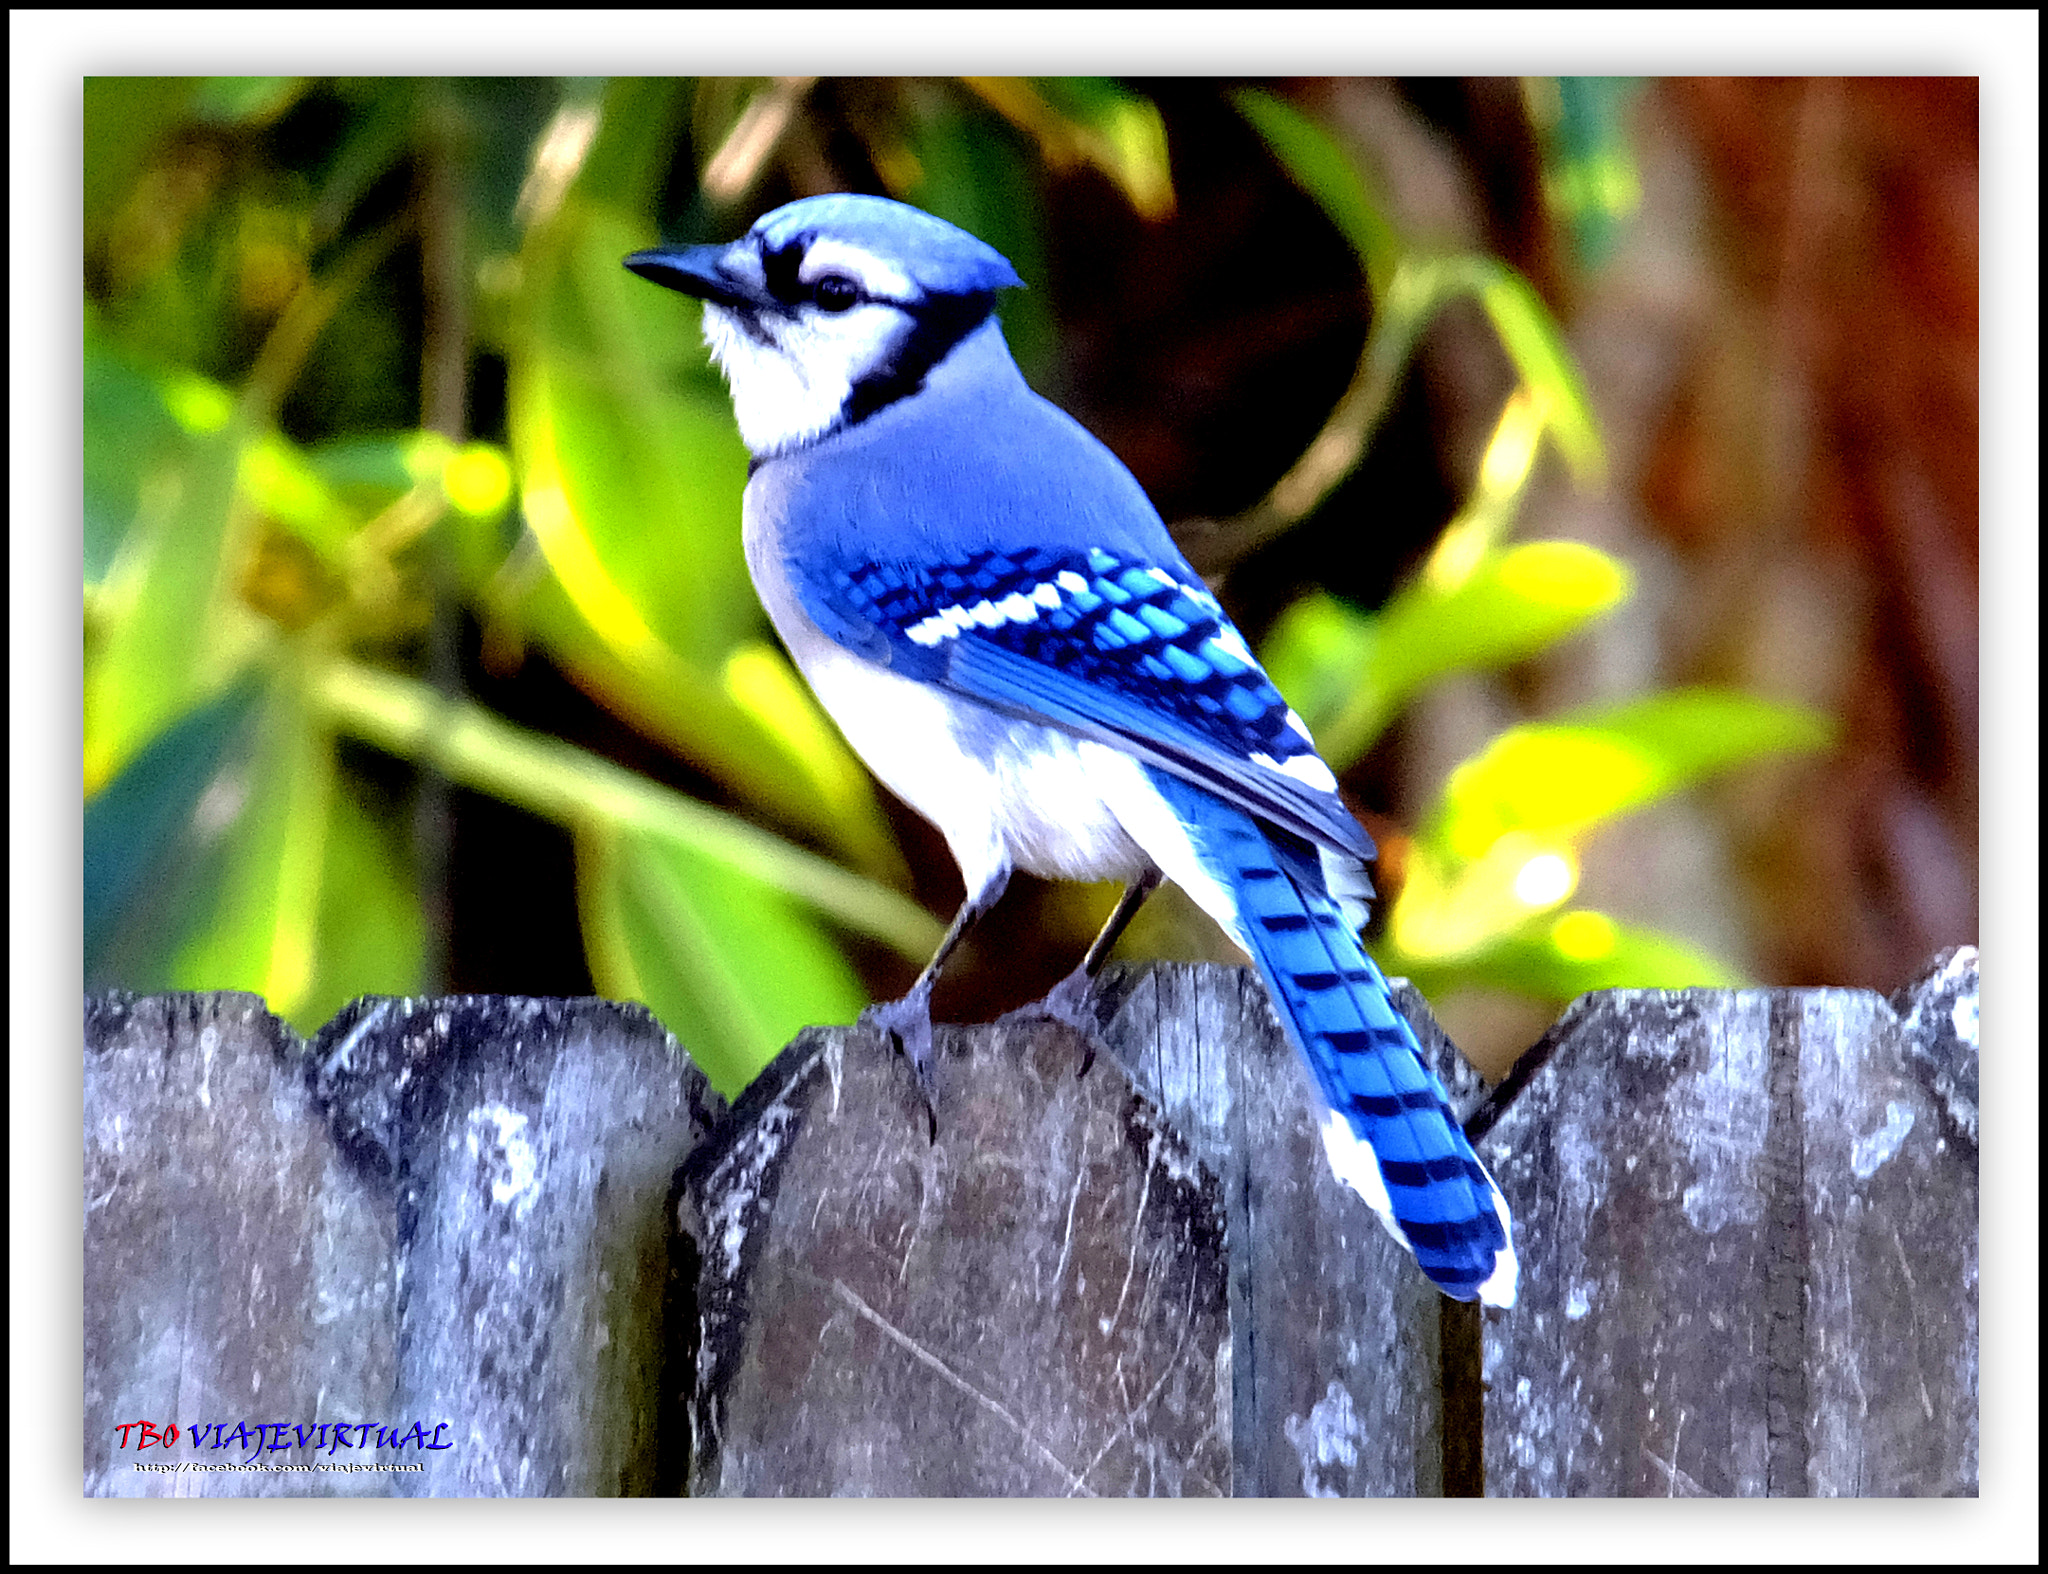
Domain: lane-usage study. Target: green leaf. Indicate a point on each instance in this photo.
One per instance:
(261, 930)
(614, 408)
(1418, 288)
(1700, 730)
(636, 135)
(371, 938)
(130, 436)
(235, 101)
(1350, 672)
(732, 967)
(585, 792)
(1536, 345)
(654, 493)
(139, 841)
(367, 473)
(1120, 132)
(165, 628)
(1572, 954)
(1564, 776)
(972, 168)
(277, 478)
(1327, 173)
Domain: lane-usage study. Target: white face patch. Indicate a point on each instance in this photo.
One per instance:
(790, 388)
(792, 376)
(871, 273)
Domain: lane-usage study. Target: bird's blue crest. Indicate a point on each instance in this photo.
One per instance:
(942, 258)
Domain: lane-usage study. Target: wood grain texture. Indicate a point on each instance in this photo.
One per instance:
(237, 1267)
(1033, 1304)
(543, 1303)
(1748, 1226)
(1746, 1223)
(1336, 1334)
(458, 1210)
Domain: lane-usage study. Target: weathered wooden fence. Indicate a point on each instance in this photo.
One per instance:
(488, 1246)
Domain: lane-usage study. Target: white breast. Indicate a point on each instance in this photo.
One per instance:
(1001, 791)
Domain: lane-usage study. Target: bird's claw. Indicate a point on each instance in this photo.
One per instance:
(906, 1025)
(1070, 1003)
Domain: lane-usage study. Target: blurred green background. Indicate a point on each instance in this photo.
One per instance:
(420, 655)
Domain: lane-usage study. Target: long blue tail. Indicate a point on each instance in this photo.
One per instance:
(1390, 1134)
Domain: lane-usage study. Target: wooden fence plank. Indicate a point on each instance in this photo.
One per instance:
(1031, 1305)
(535, 1144)
(456, 1211)
(237, 1269)
(1889, 1182)
(1337, 1336)
(1748, 1233)
(1747, 1225)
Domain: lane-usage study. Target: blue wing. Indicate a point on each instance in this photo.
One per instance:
(1111, 645)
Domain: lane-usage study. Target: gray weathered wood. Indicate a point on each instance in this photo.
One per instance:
(453, 1211)
(237, 1268)
(1747, 1224)
(1327, 1343)
(1337, 1336)
(1033, 1304)
(1748, 1228)
(542, 1303)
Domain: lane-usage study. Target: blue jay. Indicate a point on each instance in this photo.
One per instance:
(990, 608)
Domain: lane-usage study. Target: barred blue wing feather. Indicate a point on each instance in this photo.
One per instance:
(1390, 1132)
(1111, 646)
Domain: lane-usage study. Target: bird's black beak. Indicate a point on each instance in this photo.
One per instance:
(694, 270)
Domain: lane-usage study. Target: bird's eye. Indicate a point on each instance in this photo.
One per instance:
(836, 292)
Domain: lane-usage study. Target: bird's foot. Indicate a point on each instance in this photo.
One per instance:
(1070, 1002)
(906, 1025)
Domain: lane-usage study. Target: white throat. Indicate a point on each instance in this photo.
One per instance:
(790, 385)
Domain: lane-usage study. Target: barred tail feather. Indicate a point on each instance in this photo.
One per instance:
(1389, 1134)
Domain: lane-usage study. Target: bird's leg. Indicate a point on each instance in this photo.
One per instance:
(1067, 1001)
(908, 1022)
